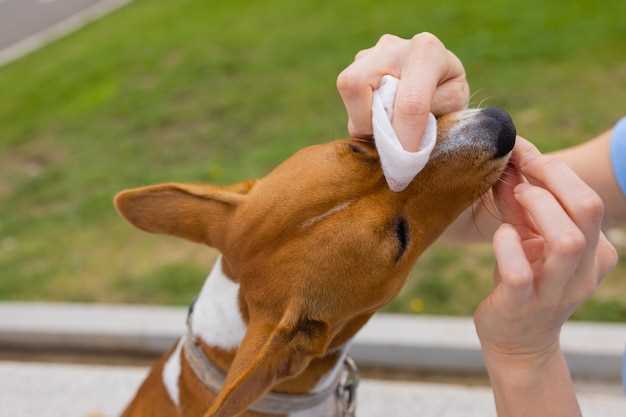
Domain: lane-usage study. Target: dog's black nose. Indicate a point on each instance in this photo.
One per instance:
(505, 139)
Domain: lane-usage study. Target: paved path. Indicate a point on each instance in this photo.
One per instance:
(593, 350)
(49, 390)
(26, 25)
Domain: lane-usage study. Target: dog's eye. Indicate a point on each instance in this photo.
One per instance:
(364, 151)
(356, 148)
(401, 229)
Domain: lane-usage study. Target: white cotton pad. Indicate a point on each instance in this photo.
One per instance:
(399, 165)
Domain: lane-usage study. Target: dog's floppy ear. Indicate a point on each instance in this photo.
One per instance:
(269, 353)
(199, 213)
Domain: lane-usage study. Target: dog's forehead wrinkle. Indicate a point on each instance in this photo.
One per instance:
(316, 219)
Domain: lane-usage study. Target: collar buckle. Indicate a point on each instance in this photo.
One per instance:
(347, 388)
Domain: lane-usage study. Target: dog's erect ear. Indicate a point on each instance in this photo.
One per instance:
(269, 354)
(199, 213)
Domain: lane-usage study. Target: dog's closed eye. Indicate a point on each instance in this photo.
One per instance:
(364, 150)
(356, 148)
(401, 230)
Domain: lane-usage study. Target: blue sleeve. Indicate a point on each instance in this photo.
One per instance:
(618, 153)
(624, 372)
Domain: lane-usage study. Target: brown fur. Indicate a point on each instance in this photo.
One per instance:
(152, 400)
(306, 287)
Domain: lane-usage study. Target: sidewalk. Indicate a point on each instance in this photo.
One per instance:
(26, 25)
(593, 350)
(46, 390)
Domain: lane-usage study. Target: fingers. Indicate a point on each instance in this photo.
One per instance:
(561, 234)
(452, 95)
(358, 81)
(355, 85)
(453, 92)
(426, 67)
(606, 256)
(431, 79)
(513, 269)
(508, 206)
(565, 243)
(580, 201)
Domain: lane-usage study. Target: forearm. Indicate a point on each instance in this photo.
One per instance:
(592, 162)
(532, 387)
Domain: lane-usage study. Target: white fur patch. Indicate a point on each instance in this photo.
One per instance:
(216, 319)
(216, 316)
(171, 373)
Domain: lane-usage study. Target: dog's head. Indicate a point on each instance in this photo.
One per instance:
(321, 243)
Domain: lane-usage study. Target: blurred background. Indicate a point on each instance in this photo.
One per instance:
(217, 92)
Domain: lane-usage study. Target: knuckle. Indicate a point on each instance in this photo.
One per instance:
(570, 243)
(348, 82)
(518, 280)
(361, 53)
(388, 39)
(427, 39)
(591, 206)
(412, 105)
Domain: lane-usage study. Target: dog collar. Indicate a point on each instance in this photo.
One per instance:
(343, 388)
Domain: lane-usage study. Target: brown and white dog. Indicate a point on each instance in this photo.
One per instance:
(309, 253)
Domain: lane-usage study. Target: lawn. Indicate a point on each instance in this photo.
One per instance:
(222, 91)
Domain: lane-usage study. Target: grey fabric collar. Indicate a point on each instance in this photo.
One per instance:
(343, 388)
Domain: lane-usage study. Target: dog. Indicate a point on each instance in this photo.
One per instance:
(308, 254)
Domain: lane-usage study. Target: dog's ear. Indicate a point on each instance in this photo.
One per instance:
(269, 354)
(199, 213)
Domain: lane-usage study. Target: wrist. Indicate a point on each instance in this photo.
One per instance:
(537, 384)
(523, 367)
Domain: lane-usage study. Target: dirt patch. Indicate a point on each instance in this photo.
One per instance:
(27, 161)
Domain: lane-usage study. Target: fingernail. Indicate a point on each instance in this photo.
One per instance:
(522, 187)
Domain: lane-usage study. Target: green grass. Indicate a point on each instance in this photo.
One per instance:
(192, 91)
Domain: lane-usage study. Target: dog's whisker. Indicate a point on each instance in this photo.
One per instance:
(480, 104)
(474, 94)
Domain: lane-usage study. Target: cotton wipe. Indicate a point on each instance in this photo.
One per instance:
(399, 165)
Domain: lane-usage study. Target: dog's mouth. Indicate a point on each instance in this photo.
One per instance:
(507, 173)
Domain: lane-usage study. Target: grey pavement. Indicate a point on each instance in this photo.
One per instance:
(22, 18)
(593, 350)
(49, 390)
(26, 25)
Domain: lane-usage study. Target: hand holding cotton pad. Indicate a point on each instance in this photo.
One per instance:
(399, 165)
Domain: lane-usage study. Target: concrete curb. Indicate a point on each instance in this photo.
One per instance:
(59, 30)
(441, 344)
(43, 390)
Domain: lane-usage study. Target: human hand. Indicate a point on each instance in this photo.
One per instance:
(551, 255)
(432, 79)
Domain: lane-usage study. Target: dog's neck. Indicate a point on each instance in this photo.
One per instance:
(217, 318)
(218, 323)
